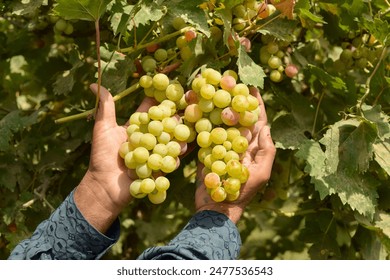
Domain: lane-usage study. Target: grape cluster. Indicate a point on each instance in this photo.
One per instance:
(217, 112)
(62, 26)
(274, 59)
(156, 138)
(222, 111)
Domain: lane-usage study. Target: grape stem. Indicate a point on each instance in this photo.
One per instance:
(156, 41)
(368, 82)
(92, 111)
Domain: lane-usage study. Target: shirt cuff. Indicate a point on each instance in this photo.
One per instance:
(209, 235)
(66, 235)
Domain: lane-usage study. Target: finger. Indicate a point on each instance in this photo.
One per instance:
(106, 108)
(265, 156)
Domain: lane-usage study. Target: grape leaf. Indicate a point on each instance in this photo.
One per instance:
(250, 73)
(146, 12)
(281, 28)
(382, 154)
(287, 133)
(380, 120)
(341, 140)
(90, 10)
(27, 7)
(120, 16)
(327, 80)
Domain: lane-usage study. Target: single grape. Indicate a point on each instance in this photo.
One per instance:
(193, 113)
(174, 92)
(272, 47)
(197, 83)
(149, 64)
(234, 168)
(155, 113)
(135, 189)
(147, 185)
(160, 81)
(164, 137)
(291, 70)
(124, 149)
(154, 161)
(218, 194)
(60, 25)
(168, 164)
(247, 118)
(240, 144)
(143, 171)
(162, 183)
(207, 91)
(222, 98)
(240, 89)
(215, 116)
(203, 124)
(174, 149)
(178, 23)
(157, 197)
(229, 116)
(232, 185)
(240, 103)
(181, 132)
(191, 97)
(276, 76)
(203, 139)
(218, 152)
(146, 81)
(190, 35)
(140, 154)
(274, 62)
(212, 180)
(130, 161)
(160, 149)
(148, 141)
(218, 135)
(206, 105)
(219, 167)
(227, 82)
(231, 155)
(160, 54)
(135, 139)
(203, 152)
(212, 76)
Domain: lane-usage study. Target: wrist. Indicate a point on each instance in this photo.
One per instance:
(233, 212)
(95, 203)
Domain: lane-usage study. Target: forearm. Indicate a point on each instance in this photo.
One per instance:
(66, 234)
(209, 235)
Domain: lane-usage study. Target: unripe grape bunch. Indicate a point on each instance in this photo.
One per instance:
(217, 112)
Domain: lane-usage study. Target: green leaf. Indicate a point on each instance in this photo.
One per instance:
(377, 27)
(250, 73)
(380, 120)
(341, 141)
(280, 28)
(382, 154)
(13, 122)
(327, 80)
(146, 12)
(90, 10)
(287, 132)
(27, 7)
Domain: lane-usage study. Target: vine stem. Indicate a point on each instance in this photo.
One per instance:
(317, 112)
(368, 82)
(92, 111)
(97, 28)
(156, 41)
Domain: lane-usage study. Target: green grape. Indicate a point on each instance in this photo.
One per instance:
(160, 149)
(218, 152)
(168, 164)
(168, 104)
(218, 135)
(212, 180)
(264, 55)
(159, 95)
(274, 62)
(149, 91)
(130, 161)
(140, 154)
(147, 185)
(232, 197)
(230, 72)
(148, 141)
(149, 64)
(247, 118)
(232, 185)
(218, 194)
(239, 11)
(231, 155)
(160, 54)
(185, 53)
(178, 23)
(146, 81)
(212, 76)
(157, 197)
(276, 76)
(203, 139)
(208, 161)
(206, 105)
(143, 170)
(216, 33)
(154, 161)
(239, 24)
(169, 124)
(240, 89)
(228, 145)
(181, 42)
(155, 113)
(135, 139)
(144, 118)
(234, 168)
(155, 128)
(174, 92)
(181, 132)
(244, 175)
(203, 124)
(193, 113)
(135, 189)
(240, 103)
(222, 98)
(134, 118)
(160, 81)
(215, 116)
(132, 128)
(197, 83)
(162, 183)
(203, 152)
(207, 91)
(174, 149)
(272, 47)
(124, 149)
(69, 28)
(239, 144)
(253, 103)
(219, 167)
(60, 25)
(232, 133)
(164, 137)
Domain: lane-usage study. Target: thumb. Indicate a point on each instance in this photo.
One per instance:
(106, 109)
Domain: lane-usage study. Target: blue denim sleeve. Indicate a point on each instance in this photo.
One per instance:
(209, 235)
(66, 235)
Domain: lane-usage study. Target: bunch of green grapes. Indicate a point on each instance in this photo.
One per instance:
(223, 112)
(361, 52)
(62, 26)
(156, 139)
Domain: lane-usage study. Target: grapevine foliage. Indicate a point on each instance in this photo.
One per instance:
(327, 100)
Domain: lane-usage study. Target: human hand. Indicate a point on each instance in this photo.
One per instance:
(104, 189)
(258, 159)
